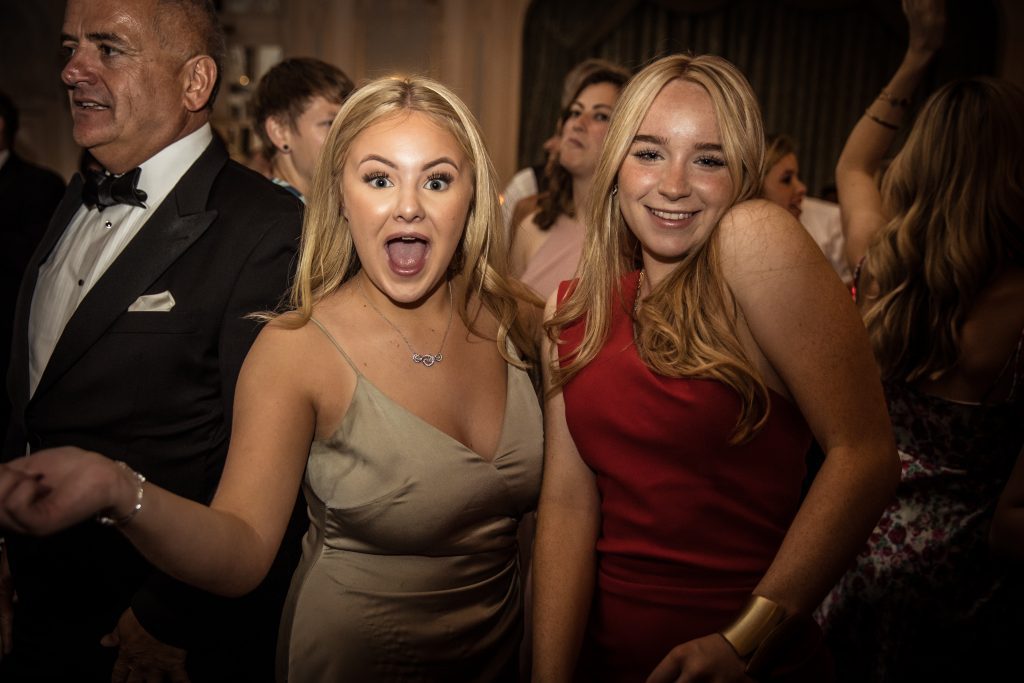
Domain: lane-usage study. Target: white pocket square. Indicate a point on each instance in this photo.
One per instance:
(153, 303)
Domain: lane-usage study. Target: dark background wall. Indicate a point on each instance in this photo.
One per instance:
(814, 64)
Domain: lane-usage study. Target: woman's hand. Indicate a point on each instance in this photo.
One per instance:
(927, 19)
(709, 659)
(56, 488)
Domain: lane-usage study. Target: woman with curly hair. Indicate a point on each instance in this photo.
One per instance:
(940, 251)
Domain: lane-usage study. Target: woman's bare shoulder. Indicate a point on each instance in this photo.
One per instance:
(994, 324)
(758, 235)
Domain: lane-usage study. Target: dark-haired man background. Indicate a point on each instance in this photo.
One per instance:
(129, 336)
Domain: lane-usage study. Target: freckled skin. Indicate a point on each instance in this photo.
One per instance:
(680, 175)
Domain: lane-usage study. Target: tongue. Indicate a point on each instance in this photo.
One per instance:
(407, 255)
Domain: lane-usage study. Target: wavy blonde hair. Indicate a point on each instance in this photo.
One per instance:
(327, 254)
(956, 196)
(687, 326)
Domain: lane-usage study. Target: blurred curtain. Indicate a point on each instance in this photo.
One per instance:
(814, 64)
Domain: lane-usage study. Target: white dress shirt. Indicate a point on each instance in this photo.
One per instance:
(92, 241)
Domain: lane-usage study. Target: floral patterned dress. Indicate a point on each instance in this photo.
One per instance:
(924, 601)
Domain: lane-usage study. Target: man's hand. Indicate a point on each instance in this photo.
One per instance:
(141, 657)
(6, 601)
(709, 659)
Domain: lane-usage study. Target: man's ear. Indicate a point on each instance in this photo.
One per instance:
(280, 133)
(200, 77)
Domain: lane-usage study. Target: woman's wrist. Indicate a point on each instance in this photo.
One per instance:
(918, 58)
(753, 625)
(129, 493)
(770, 639)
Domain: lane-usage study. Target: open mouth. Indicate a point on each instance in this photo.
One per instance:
(407, 254)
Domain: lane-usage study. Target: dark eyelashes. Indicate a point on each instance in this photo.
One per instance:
(646, 154)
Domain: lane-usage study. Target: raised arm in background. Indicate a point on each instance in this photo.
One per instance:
(860, 201)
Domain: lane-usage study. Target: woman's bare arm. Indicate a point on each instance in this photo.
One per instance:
(859, 199)
(226, 548)
(568, 521)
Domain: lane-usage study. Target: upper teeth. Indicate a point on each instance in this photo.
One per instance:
(673, 216)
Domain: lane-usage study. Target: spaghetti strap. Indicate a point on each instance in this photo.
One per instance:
(334, 341)
(1013, 366)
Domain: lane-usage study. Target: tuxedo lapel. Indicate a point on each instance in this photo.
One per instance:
(180, 220)
(18, 369)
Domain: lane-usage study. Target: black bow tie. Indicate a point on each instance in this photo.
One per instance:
(102, 190)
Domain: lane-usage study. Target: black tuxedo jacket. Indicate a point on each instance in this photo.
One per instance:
(154, 389)
(28, 196)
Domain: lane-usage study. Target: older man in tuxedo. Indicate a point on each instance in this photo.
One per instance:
(130, 331)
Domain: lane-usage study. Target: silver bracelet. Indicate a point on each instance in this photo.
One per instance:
(121, 521)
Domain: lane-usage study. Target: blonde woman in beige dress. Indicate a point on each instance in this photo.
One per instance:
(392, 393)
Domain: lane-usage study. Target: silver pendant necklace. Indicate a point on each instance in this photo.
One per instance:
(426, 360)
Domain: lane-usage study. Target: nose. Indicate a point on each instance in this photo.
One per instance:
(801, 189)
(76, 70)
(409, 208)
(674, 182)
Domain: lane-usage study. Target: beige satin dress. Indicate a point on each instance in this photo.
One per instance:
(410, 568)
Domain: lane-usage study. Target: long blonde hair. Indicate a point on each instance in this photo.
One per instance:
(327, 255)
(687, 326)
(956, 196)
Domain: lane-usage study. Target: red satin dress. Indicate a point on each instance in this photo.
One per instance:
(689, 523)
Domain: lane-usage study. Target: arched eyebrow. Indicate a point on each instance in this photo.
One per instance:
(426, 166)
(377, 157)
(650, 139)
(659, 140)
(439, 161)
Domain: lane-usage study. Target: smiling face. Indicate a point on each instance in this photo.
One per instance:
(407, 186)
(585, 127)
(674, 185)
(782, 184)
(126, 88)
